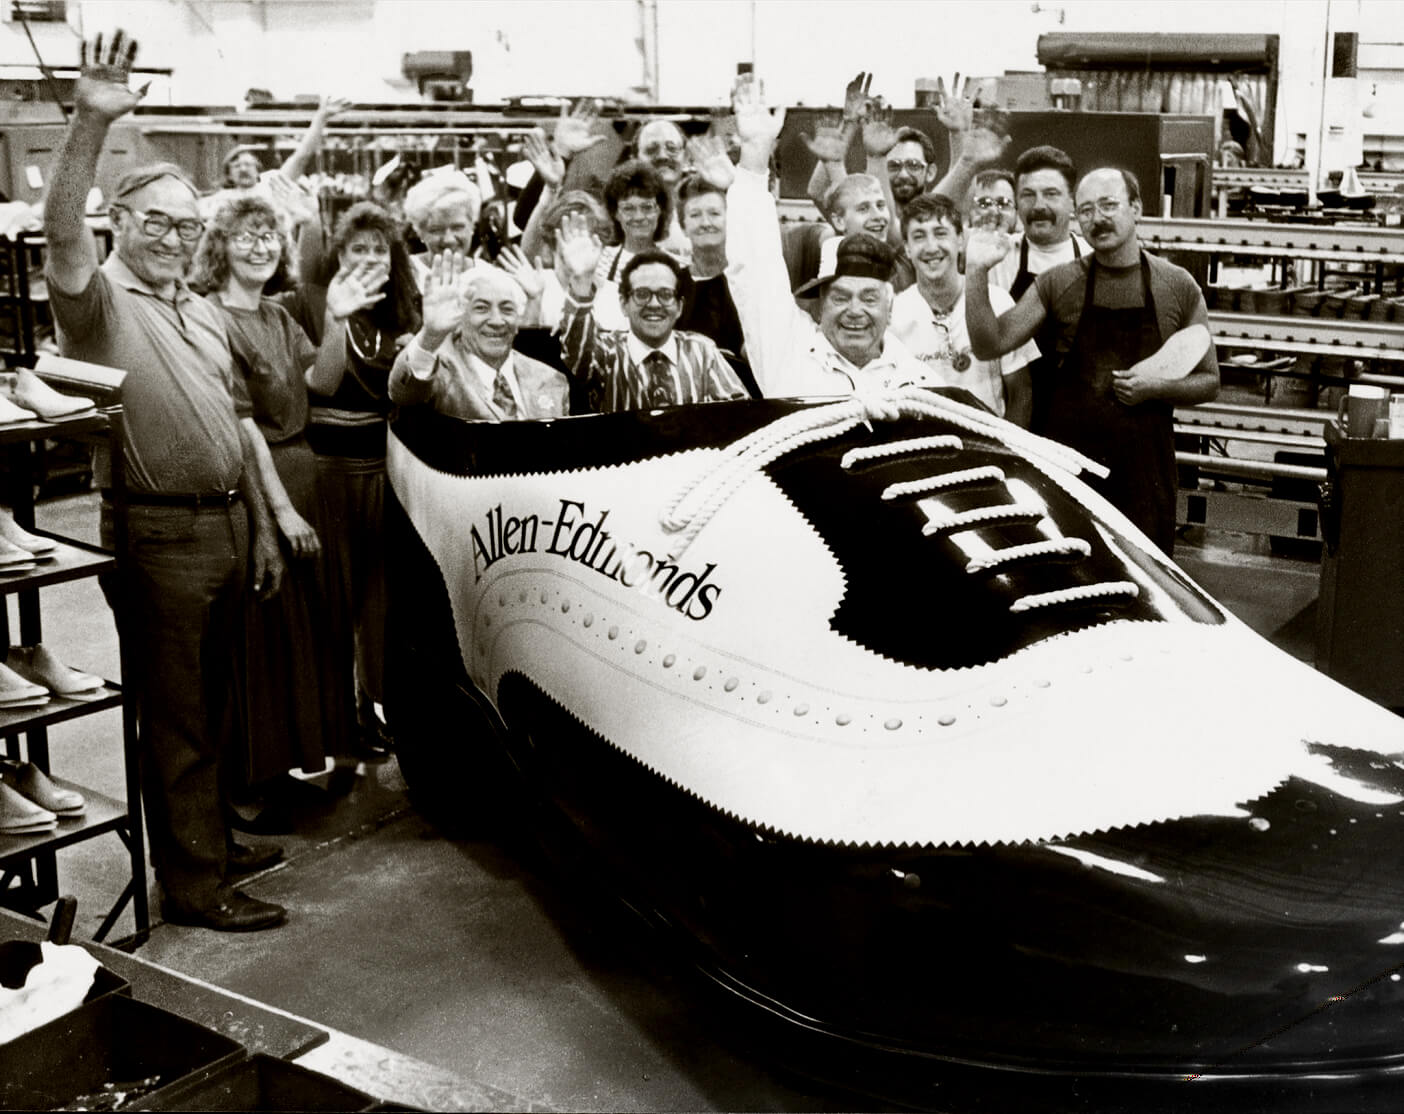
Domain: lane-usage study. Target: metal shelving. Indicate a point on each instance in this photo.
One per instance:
(28, 867)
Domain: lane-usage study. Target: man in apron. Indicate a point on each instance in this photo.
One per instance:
(1106, 312)
(1044, 179)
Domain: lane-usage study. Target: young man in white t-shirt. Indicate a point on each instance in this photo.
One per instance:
(929, 318)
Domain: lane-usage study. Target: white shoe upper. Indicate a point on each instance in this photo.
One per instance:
(687, 608)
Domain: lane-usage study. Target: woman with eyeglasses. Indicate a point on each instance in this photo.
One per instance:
(298, 704)
(642, 211)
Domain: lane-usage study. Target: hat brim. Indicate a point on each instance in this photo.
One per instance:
(812, 288)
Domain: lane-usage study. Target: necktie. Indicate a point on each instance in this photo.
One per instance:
(502, 395)
(658, 381)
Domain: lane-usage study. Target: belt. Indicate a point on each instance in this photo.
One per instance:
(214, 500)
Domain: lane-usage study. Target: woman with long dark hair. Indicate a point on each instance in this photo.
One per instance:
(347, 430)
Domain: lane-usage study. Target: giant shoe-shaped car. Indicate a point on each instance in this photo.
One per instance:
(914, 739)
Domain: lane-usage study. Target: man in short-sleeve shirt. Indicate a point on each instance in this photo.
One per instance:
(192, 489)
(1107, 314)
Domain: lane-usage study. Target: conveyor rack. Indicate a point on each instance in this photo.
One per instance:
(1312, 336)
(1331, 242)
(1267, 177)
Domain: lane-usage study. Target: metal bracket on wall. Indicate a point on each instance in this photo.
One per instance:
(1340, 243)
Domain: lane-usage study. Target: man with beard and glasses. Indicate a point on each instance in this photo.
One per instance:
(930, 316)
(1109, 310)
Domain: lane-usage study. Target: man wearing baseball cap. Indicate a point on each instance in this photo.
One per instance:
(851, 348)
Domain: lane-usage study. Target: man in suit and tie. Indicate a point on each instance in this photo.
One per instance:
(461, 362)
(651, 364)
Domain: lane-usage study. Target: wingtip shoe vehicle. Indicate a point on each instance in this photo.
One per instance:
(913, 739)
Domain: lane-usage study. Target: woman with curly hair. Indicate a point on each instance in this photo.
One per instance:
(297, 708)
(347, 431)
(642, 211)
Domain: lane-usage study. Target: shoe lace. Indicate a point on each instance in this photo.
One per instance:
(686, 514)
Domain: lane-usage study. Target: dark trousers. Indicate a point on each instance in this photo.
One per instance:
(182, 618)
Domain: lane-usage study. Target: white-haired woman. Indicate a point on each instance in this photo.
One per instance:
(442, 208)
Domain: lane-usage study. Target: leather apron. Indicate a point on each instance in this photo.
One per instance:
(1136, 442)
(1046, 339)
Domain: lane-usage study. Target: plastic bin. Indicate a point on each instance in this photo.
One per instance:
(259, 1083)
(114, 1040)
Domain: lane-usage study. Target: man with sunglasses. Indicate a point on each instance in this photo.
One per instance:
(192, 482)
(650, 364)
(1107, 313)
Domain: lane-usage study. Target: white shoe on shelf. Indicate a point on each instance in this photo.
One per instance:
(35, 785)
(12, 414)
(14, 687)
(21, 816)
(39, 666)
(34, 394)
(16, 534)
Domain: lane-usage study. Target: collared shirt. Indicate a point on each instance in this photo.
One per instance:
(942, 343)
(610, 362)
(458, 382)
(180, 419)
(788, 353)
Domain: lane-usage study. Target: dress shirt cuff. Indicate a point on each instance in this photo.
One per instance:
(420, 360)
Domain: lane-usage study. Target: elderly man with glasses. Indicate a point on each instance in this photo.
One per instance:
(1130, 343)
(650, 364)
(192, 488)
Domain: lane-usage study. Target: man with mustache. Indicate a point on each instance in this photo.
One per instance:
(930, 316)
(1108, 311)
(1044, 178)
(991, 203)
(660, 144)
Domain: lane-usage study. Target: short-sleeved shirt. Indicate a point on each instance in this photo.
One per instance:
(179, 416)
(944, 346)
(1178, 301)
(272, 353)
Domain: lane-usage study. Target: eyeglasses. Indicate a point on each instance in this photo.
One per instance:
(1107, 206)
(1003, 204)
(637, 208)
(665, 298)
(246, 241)
(653, 150)
(911, 166)
(156, 225)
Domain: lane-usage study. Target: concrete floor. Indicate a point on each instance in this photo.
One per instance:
(480, 959)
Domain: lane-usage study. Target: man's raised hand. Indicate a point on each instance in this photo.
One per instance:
(104, 70)
(575, 129)
(855, 98)
(526, 274)
(756, 121)
(709, 159)
(443, 302)
(879, 136)
(985, 247)
(829, 143)
(956, 108)
(578, 249)
(549, 166)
